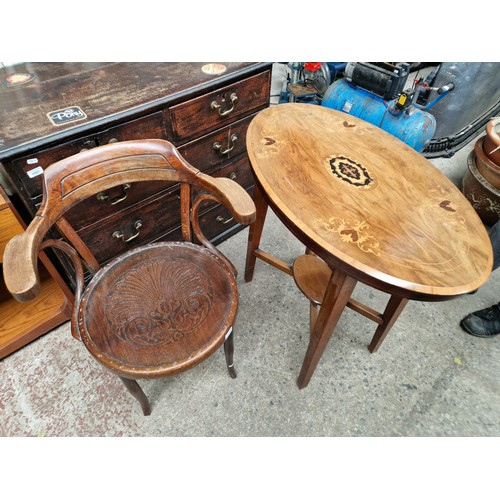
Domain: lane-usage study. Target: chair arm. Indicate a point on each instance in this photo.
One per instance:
(237, 200)
(20, 267)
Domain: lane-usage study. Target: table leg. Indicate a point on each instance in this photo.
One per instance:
(255, 232)
(337, 294)
(391, 313)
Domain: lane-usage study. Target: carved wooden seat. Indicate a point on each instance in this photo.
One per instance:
(157, 309)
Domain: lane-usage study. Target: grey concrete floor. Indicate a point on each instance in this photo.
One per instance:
(429, 378)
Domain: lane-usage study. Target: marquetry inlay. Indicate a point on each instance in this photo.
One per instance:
(350, 171)
(354, 232)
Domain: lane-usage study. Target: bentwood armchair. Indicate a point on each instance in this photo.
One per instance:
(157, 309)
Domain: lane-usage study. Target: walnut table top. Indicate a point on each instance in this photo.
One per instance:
(367, 203)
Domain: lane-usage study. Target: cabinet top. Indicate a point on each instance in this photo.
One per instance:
(45, 102)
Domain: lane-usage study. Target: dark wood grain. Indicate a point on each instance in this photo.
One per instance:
(106, 92)
(127, 101)
(153, 310)
(202, 113)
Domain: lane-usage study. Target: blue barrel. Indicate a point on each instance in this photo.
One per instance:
(415, 129)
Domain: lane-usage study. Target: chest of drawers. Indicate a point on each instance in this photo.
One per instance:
(204, 109)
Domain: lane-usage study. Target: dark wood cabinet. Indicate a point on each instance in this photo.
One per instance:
(204, 109)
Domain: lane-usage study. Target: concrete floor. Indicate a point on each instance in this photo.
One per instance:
(429, 378)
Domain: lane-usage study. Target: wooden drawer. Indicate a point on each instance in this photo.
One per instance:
(29, 169)
(239, 171)
(220, 107)
(94, 210)
(217, 147)
(158, 216)
(149, 127)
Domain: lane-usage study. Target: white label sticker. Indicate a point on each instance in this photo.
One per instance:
(347, 107)
(35, 172)
(32, 161)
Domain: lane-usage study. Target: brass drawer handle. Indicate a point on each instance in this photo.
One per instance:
(218, 146)
(104, 197)
(222, 220)
(86, 146)
(216, 106)
(120, 236)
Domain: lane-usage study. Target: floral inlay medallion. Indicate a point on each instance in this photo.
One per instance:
(350, 171)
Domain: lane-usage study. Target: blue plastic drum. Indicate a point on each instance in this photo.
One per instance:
(415, 129)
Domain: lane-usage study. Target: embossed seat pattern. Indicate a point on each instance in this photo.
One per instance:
(160, 303)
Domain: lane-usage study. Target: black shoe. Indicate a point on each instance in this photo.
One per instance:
(484, 323)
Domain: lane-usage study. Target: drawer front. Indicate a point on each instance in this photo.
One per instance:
(108, 203)
(219, 147)
(29, 169)
(239, 171)
(149, 127)
(220, 107)
(141, 224)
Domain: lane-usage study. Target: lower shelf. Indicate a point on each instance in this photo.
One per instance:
(23, 322)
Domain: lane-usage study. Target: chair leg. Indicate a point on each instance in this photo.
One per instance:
(228, 352)
(135, 389)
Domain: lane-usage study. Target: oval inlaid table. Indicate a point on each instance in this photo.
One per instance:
(368, 208)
